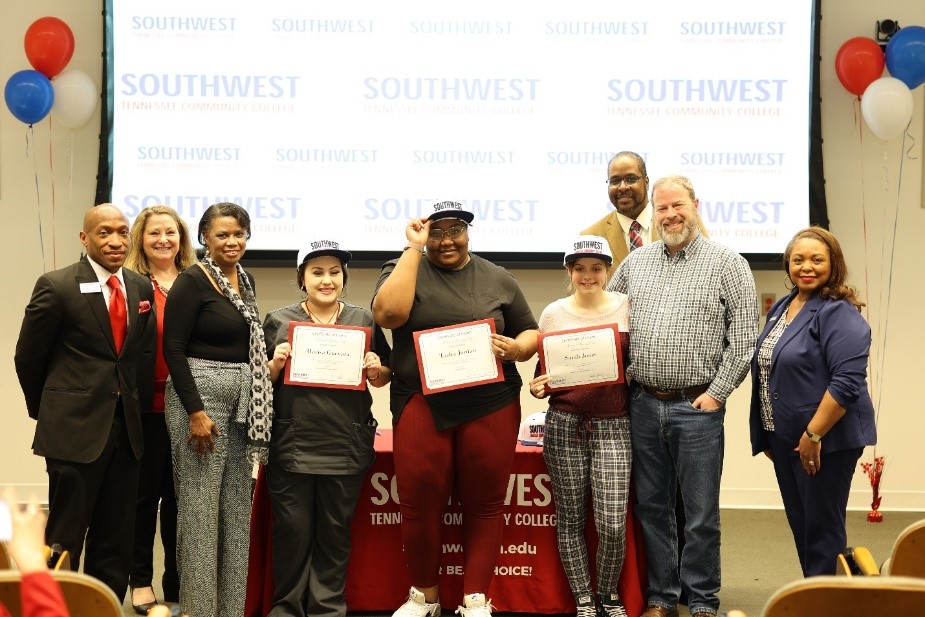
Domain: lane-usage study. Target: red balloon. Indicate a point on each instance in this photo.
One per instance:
(858, 63)
(49, 45)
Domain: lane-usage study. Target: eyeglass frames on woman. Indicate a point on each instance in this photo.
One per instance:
(455, 231)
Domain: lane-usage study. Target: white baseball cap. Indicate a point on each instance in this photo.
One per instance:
(451, 210)
(321, 247)
(533, 429)
(595, 247)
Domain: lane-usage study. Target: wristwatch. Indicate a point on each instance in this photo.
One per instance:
(813, 437)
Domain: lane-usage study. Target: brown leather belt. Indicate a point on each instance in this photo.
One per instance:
(670, 395)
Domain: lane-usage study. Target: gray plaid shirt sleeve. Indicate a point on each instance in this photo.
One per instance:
(741, 316)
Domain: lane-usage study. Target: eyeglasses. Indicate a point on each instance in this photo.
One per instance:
(453, 232)
(627, 180)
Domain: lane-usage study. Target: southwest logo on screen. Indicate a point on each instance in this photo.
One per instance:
(758, 212)
(210, 86)
(451, 88)
(183, 24)
(505, 210)
(192, 206)
(731, 28)
(325, 155)
(321, 26)
(459, 27)
(733, 159)
(596, 28)
(208, 154)
(462, 157)
(698, 90)
(579, 157)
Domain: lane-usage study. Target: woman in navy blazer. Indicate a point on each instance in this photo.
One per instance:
(811, 411)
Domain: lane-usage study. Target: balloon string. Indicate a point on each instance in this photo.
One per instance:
(911, 147)
(872, 361)
(51, 168)
(882, 308)
(30, 137)
(70, 169)
(856, 112)
(889, 277)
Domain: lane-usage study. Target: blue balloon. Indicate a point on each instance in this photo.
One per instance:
(29, 95)
(905, 56)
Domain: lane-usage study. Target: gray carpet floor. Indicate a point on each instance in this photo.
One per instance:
(758, 556)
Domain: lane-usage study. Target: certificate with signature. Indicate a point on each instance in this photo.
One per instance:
(327, 356)
(582, 357)
(456, 357)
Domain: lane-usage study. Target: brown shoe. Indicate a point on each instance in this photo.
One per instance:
(656, 611)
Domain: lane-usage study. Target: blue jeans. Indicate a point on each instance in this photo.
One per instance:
(673, 442)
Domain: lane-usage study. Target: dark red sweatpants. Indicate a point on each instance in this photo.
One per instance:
(473, 461)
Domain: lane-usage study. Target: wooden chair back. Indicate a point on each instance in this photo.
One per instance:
(838, 596)
(83, 594)
(908, 557)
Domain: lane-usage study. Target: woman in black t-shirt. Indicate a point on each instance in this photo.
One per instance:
(461, 439)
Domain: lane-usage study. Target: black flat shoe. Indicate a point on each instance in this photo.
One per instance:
(143, 609)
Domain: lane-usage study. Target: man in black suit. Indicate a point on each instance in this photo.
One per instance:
(78, 360)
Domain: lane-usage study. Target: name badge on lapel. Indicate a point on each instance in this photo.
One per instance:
(91, 288)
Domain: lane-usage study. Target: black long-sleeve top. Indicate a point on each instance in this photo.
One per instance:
(199, 322)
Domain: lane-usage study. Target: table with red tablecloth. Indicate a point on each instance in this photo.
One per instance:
(528, 574)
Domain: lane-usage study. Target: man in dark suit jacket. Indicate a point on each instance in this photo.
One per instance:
(82, 389)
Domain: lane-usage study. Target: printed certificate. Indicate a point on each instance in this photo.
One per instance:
(456, 357)
(327, 356)
(582, 357)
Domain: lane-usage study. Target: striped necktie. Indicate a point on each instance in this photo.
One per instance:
(635, 236)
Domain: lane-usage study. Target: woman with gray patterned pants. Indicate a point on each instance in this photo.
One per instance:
(587, 437)
(219, 412)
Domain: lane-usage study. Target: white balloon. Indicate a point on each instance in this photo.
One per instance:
(886, 106)
(76, 97)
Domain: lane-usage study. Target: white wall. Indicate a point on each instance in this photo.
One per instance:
(863, 175)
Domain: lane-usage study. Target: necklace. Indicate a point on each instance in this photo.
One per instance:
(157, 283)
(316, 319)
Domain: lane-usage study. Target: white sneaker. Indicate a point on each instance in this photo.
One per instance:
(416, 606)
(475, 605)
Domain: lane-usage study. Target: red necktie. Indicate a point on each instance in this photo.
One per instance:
(635, 237)
(117, 312)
